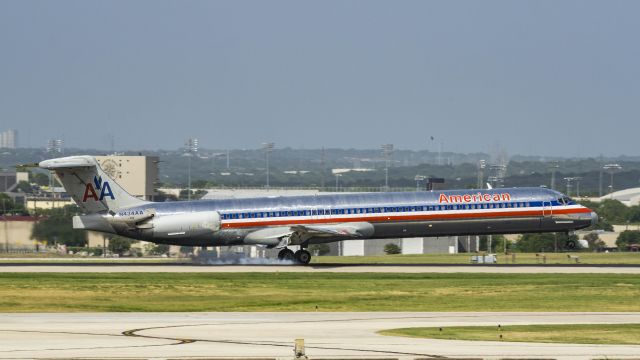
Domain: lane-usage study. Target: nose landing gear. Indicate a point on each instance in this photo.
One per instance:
(301, 256)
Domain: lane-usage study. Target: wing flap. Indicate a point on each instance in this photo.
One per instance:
(299, 234)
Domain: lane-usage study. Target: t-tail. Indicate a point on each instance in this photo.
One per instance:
(89, 186)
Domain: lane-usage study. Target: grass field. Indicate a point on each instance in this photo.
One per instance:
(520, 258)
(627, 334)
(68, 292)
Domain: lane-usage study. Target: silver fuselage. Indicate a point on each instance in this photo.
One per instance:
(391, 215)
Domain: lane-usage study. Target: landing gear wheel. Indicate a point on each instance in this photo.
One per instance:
(570, 245)
(303, 256)
(286, 254)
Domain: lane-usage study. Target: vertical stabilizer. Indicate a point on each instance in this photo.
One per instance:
(89, 186)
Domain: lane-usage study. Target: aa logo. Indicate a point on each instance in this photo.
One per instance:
(102, 187)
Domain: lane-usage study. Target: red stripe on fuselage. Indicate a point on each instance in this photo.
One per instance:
(387, 218)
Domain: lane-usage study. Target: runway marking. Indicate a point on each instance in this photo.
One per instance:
(488, 349)
(134, 333)
(77, 348)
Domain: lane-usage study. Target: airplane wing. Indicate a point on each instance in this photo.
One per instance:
(355, 230)
(298, 234)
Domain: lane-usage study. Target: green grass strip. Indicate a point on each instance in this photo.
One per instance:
(68, 292)
(610, 334)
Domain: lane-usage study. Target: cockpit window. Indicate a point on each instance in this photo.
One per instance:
(566, 200)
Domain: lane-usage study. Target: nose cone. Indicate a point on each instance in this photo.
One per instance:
(594, 218)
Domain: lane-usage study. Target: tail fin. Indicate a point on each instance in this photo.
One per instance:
(89, 186)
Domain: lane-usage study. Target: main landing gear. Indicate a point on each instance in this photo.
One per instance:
(301, 256)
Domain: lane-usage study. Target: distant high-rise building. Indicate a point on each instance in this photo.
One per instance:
(9, 139)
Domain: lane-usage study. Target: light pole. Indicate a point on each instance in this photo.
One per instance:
(419, 178)
(268, 149)
(54, 147)
(191, 148)
(387, 150)
(323, 168)
(612, 168)
(481, 165)
(338, 182)
(577, 179)
(553, 168)
(568, 180)
(6, 226)
(498, 172)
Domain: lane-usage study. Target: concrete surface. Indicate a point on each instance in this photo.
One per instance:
(508, 269)
(271, 335)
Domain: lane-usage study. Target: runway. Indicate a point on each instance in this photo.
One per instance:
(333, 268)
(271, 335)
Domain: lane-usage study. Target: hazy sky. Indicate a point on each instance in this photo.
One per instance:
(536, 77)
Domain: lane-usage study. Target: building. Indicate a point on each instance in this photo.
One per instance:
(15, 233)
(419, 245)
(8, 181)
(137, 175)
(9, 139)
(36, 204)
(629, 197)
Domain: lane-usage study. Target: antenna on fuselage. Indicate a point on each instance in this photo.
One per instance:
(489, 186)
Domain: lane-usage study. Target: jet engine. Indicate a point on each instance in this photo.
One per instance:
(188, 225)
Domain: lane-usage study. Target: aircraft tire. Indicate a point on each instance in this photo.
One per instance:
(286, 254)
(570, 245)
(303, 257)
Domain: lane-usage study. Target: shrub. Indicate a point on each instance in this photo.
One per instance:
(392, 249)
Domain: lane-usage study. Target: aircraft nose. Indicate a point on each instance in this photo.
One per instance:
(594, 218)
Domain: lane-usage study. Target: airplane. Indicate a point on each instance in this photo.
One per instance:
(282, 221)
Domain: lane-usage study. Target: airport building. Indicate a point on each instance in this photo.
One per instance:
(629, 197)
(419, 245)
(15, 235)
